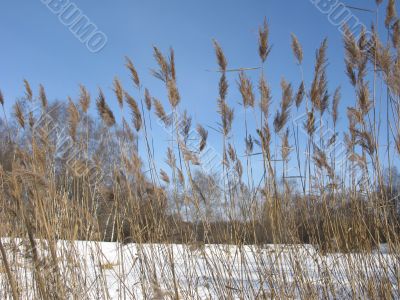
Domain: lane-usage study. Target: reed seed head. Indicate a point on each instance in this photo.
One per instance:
(297, 49)
(104, 110)
(1, 98)
(222, 63)
(132, 70)
(28, 90)
(84, 98)
(264, 48)
(246, 90)
(135, 111)
(119, 92)
(42, 96)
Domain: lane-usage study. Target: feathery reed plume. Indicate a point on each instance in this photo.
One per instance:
(390, 13)
(184, 125)
(378, 2)
(189, 155)
(265, 138)
(119, 92)
(223, 87)
(160, 112)
(319, 94)
(181, 178)
(301, 92)
(355, 115)
(167, 74)
(42, 96)
(203, 133)
(28, 90)
(352, 50)
(19, 114)
(310, 123)
(351, 74)
(332, 139)
(263, 44)
(363, 99)
(31, 120)
(321, 161)
(246, 90)
(132, 70)
(147, 99)
(222, 63)
(239, 169)
(365, 140)
(164, 176)
(297, 49)
(285, 150)
(227, 115)
(171, 159)
(266, 97)
(104, 110)
(232, 152)
(249, 144)
(282, 116)
(324, 96)
(135, 111)
(128, 131)
(363, 41)
(384, 60)
(84, 98)
(396, 34)
(173, 93)
(172, 64)
(1, 98)
(163, 74)
(335, 105)
(356, 57)
(73, 118)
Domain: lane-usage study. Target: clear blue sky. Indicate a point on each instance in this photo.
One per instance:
(36, 46)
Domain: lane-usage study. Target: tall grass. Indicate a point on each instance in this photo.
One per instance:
(67, 177)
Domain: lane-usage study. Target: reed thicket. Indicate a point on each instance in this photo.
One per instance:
(67, 175)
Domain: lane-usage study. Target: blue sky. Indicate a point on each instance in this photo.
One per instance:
(35, 45)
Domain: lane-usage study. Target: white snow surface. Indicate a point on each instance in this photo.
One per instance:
(100, 270)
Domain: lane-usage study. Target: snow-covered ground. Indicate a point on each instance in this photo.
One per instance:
(94, 270)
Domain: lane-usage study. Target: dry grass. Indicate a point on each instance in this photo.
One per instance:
(101, 187)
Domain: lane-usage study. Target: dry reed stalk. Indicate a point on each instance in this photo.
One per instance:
(11, 279)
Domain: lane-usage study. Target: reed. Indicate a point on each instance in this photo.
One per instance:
(195, 226)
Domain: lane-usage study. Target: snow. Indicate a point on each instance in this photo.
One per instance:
(99, 270)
